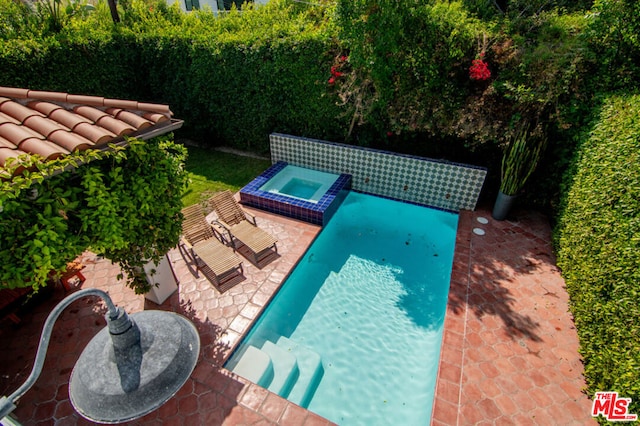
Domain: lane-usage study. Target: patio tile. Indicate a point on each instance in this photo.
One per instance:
(516, 354)
(509, 354)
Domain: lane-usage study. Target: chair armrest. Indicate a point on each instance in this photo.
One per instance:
(227, 228)
(222, 223)
(185, 243)
(251, 218)
(219, 230)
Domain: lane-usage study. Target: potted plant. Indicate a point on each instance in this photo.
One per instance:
(518, 162)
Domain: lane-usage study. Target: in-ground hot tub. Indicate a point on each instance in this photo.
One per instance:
(305, 194)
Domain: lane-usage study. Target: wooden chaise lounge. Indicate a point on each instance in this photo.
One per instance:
(219, 261)
(242, 227)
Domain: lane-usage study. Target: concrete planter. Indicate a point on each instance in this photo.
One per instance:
(503, 205)
(165, 279)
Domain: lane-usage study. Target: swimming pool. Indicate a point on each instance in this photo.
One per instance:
(354, 333)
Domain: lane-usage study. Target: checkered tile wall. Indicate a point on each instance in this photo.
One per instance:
(445, 185)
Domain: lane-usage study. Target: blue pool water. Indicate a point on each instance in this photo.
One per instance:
(354, 333)
(301, 188)
(299, 182)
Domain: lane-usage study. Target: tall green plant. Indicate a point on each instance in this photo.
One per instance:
(55, 14)
(520, 160)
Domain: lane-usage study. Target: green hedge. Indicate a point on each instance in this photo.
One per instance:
(238, 77)
(598, 241)
(233, 79)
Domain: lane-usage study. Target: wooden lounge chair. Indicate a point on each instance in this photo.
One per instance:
(241, 227)
(220, 262)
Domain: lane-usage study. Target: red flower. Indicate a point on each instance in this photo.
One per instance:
(335, 72)
(332, 80)
(344, 58)
(479, 70)
(389, 134)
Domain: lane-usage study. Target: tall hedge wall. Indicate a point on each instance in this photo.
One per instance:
(235, 78)
(368, 72)
(598, 241)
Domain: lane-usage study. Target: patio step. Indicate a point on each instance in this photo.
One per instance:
(254, 365)
(311, 371)
(285, 369)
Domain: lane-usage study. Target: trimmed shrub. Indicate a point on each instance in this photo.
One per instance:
(598, 242)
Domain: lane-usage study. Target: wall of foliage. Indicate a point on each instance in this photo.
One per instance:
(448, 79)
(598, 243)
(232, 79)
(369, 72)
(124, 204)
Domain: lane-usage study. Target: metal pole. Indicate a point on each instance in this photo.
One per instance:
(7, 404)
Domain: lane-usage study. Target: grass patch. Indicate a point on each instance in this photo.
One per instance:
(212, 171)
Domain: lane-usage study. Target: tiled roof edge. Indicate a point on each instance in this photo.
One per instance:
(18, 93)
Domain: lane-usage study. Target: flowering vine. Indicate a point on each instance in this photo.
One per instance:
(479, 69)
(335, 69)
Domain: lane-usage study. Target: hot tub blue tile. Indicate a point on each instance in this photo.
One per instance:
(317, 213)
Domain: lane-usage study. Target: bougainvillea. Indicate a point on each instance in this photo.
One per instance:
(479, 69)
(335, 69)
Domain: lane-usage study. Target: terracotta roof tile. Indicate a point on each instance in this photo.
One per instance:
(43, 125)
(91, 113)
(48, 96)
(119, 103)
(68, 118)
(17, 134)
(18, 111)
(95, 134)
(164, 109)
(115, 126)
(70, 141)
(4, 118)
(156, 117)
(6, 153)
(48, 150)
(130, 118)
(85, 100)
(6, 144)
(13, 92)
(44, 107)
(56, 123)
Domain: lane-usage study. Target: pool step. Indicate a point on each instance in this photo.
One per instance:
(285, 369)
(254, 365)
(311, 371)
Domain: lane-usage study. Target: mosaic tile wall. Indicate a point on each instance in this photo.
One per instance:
(444, 185)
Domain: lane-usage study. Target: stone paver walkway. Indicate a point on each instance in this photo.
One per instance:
(510, 349)
(509, 356)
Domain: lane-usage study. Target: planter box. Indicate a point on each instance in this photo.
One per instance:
(503, 205)
(165, 279)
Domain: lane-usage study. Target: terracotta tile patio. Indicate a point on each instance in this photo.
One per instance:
(510, 352)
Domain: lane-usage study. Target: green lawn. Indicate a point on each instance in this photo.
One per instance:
(211, 171)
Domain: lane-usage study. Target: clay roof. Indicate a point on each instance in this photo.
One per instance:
(52, 124)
